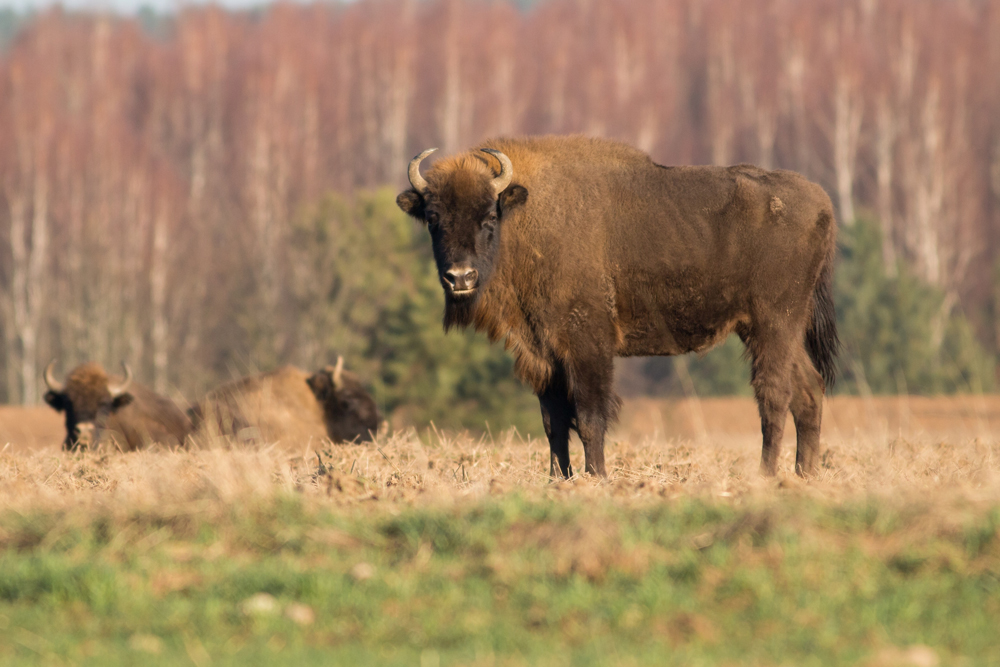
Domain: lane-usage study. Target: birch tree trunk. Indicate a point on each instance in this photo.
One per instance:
(37, 264)
(29, 253)
(451, 96)
(159, 338)
(795, 70)
(885, 137)
(398, 90)
(929, 191)
(848, 113)
(719, 96)
(18, 291)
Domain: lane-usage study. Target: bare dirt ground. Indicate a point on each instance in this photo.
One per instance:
(30, 428)
(910, 417)
(894, 446)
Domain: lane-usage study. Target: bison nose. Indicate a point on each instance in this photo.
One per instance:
(462, 279)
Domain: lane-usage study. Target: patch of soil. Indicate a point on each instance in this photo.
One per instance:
(30, 428)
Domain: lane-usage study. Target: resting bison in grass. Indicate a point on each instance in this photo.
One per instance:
(578, 250)
(289, 405)
(98, 406)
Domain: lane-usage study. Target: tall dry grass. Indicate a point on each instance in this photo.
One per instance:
(860, 459)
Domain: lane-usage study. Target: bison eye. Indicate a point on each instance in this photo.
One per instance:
(431, 217)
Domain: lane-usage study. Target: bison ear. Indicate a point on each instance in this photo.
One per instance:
(513, 196)
(119, 402)
(412, 203)
(56, 400)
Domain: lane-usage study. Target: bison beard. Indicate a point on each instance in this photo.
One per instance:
(577, 250)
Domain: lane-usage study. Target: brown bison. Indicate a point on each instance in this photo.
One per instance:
(99, 407)
(288, 403)
(577, 250)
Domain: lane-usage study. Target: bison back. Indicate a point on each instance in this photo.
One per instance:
(261, 409)
(150, 418)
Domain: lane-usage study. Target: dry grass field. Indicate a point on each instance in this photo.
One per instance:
(441, 548)
(892, 445)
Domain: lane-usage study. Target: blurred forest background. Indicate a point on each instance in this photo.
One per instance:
(209, 192)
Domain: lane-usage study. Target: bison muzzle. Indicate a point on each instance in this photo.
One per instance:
(575, 250)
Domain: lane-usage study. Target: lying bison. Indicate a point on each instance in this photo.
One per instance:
(98, 407)
(289, 404)
(578, 250)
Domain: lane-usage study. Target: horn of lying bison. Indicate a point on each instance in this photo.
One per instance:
(416, 180)
(119, 389)
(50, 379)
(338, 370)
(501, 182)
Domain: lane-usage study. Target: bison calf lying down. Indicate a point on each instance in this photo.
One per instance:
(289, 405)
(577, 250)
(100, 408)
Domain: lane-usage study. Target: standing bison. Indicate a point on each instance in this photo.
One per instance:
(577, 250)
(98, 407)
(289, 404)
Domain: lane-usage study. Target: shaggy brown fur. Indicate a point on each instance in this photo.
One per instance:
(132, 421)
(287, 404)
(594, 251)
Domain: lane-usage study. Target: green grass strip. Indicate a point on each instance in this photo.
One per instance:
(508, 580)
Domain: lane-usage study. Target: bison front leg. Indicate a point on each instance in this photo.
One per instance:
(557, 416)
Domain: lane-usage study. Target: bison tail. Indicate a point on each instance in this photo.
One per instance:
(822, 341)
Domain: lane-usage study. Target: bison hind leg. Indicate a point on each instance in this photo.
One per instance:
(785, 378)
(771, 355)
(807, 410)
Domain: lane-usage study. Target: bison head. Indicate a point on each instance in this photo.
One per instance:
(89, 398)
(463, 203)
(349, 410)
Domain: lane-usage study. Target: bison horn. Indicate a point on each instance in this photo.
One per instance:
(416, 180)
(119, 389)
(501, 182)
(50, 379)
(338, 381)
